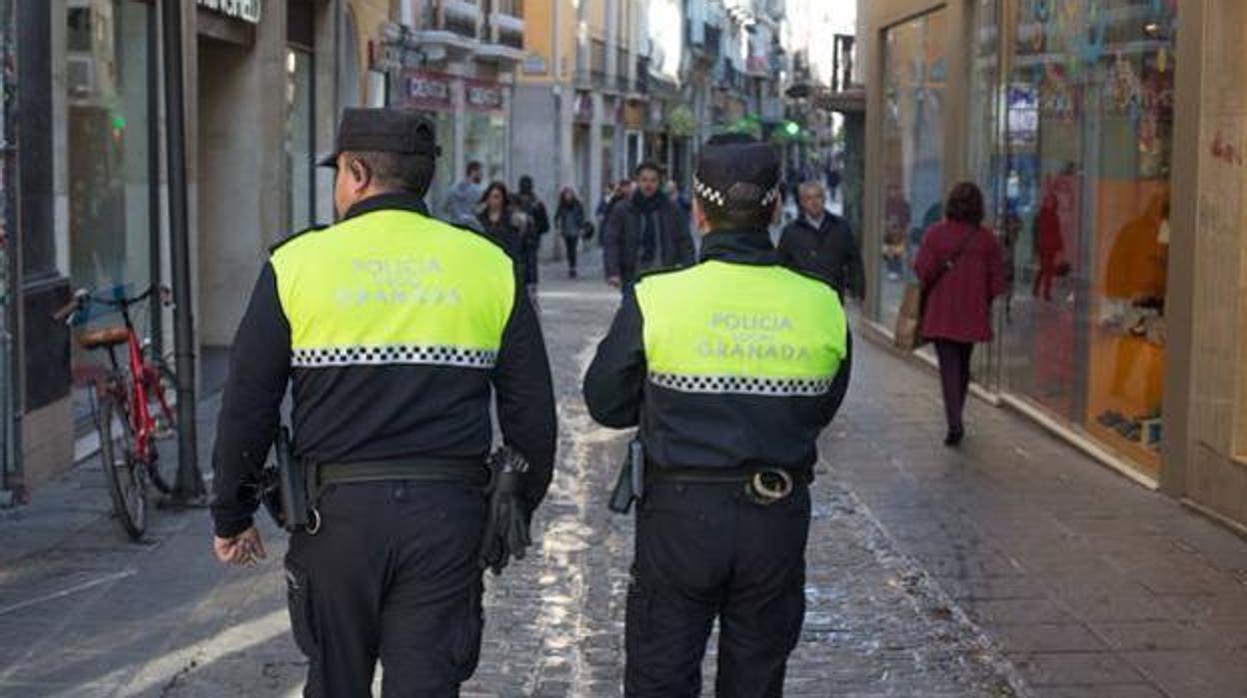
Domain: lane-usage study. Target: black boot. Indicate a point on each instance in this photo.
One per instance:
(955, 435)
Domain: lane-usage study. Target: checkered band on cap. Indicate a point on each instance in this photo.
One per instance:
(743, 385)
(719, 199)
(390, 355)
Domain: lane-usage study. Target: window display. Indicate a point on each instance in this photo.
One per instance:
(913, 151)
(1087, 145)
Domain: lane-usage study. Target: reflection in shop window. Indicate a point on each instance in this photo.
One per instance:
(106, 132)
(1089, 121)
(912, 164)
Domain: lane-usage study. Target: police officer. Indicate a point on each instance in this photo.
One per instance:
(392, 328)
(731, 368)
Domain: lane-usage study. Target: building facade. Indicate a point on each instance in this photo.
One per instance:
(1109, 145)
(455, 61)
(92, 177)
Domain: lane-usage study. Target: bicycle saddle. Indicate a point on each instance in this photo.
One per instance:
(103, 337)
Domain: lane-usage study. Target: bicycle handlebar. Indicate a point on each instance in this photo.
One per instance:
(83, 298)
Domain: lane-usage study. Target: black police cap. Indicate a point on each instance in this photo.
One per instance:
(383, 130)
(737, 171)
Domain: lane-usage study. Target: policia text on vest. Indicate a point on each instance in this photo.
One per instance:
(729, 370)
(394, 333)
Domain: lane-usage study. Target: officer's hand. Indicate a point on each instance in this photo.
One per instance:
(614, 281)
(243, 549)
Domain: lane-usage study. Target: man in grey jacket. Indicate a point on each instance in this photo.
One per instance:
(463, 199)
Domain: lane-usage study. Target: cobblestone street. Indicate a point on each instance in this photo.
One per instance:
(1014, 566)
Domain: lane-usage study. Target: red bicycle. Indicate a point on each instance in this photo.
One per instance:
(132, 406)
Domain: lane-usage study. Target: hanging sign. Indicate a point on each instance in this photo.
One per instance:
(246, 10)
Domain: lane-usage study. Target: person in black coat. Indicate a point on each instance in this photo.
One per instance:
(501, 222)
(526, 201)
(820, 242)
(645, 231)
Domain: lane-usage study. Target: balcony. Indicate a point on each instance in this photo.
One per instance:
(450, 27)
(842, 63)
(503, 38)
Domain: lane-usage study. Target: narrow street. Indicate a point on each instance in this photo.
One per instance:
(1013, 566)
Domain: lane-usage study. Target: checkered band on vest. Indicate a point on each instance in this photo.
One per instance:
(743, 385)
(393, 355)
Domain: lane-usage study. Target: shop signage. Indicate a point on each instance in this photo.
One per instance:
(428, 91)
(482, 96)
(246, 10)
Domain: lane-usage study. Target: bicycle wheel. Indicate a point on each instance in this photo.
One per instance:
(127, 479)
(161, 399)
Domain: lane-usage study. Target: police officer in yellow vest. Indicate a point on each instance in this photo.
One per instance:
(395, 331)
(730, 368)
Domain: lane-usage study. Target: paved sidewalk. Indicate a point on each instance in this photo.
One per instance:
(1093, 585)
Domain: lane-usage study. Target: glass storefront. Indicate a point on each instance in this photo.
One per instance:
(913, 153)
(300, 147)
(1078, 174)
(486, 140)
(106, 136)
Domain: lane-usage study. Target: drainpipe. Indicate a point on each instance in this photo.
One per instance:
(189, 485)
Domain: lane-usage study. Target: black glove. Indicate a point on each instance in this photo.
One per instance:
(506, 526)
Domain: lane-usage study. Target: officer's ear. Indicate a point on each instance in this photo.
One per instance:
(360, 174)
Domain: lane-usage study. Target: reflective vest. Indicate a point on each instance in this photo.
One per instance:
(394, 287)
(742, 329)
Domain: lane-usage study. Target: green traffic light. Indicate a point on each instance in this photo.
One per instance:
(792, 128)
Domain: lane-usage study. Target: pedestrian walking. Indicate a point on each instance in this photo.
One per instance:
(731, 368)
(538, 224)
(820, 242)
(460, 205)
(679, 198)
(833, 181)
(644, 231)
(961, 268)
(499, 220)
(397, 332)
(569, 219)
(611, 196)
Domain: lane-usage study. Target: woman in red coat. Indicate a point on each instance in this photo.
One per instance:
(961, 267)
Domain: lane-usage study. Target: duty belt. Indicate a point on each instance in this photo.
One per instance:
(763, 484)
(470, 472)
(462, 470)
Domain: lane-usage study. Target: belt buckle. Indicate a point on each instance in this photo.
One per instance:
(768, 486)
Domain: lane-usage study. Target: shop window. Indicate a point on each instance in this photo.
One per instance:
(913, 152)
(108, 181)
(1087, 146)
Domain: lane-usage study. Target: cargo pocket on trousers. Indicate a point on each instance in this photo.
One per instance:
(467, 646)
(302, 617)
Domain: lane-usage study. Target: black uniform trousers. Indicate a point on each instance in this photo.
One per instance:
(391, 575)
(705, 551)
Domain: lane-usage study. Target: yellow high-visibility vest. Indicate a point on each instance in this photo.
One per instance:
(742, 329)
(394, 287)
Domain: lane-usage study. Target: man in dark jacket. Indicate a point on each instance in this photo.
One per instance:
(820, 242)
(645, 231)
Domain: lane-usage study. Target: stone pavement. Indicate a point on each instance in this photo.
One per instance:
(1013, 566)
(1091, 585)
